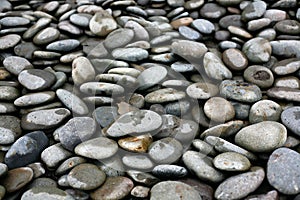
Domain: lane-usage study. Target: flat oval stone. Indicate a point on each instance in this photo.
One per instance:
(14, 21)
(259, 75)
(17, 178)
(286, 66)
(73, 102)
(7, 137)
(239, 186)
(189, 50)
(97, 148)
(105, 115)
(138, 144)
(212, 11)
(235, 59)
(224, 130)
(75, 131)
(264, 110)
(132, 54)
(203, 26)
(26, 149)
(82, 70)
(36, 79)
(118, 38)
(97, 88)
(63, 45)
(135, 122)
(140, 191)
(231, 161)
(125, 71)
(290, 82)
(69, 164)
(165, 151)
(164, 95)
(102, 23)
(288, 26)
(189, 33)
(240, 91)
(124, 80)
(9, 93)
(34, 98)
(44, 119)
(53, 155)
(113, 188)
(202, 166)
(282, 171)
(215, 68)
(151, 77)
(254, 10)
(258, 50)
(86, 177)
(46, 36)
(138, 162)
(212, 109)
(11, 123)
(16, 64)
(262, 137)
(290, 118)
(285, 93)
(174, 190)
(169, 171)
(46, 193)
(9, 41)
(81, 19)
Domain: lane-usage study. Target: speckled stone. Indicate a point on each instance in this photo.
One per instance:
(102, 23)
(258, 50)
(286, 66)
(231, 161)
(132, 54)
(9, 41)
(213, 111)
(215, 68)
(169, 171)
(290, 118)
(16, 64)
(189, 50)
(259, 75)
(224, 130)
(54, 154)
(40, 193)
(151, 77)
(235, 59)
(264, 110)
(82, 70)
(164, 95)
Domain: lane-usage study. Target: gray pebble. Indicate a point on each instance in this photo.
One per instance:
(259, 75)
(14, 21)
(265, 110)
(82, 70)
(290, 82)
(203, 26)
(54, 154)
(16, 64)
(32, 99)
(189, 50)
(96, 88)
(9, 41)
(290, 118)
(254, 10)
(235, 59)
(224, 130)
(63, 45)
(286, 48)
(118, 38)
(105, 115)
(231, 161)
(138, 162)
(81, 19)
(151, 77)
(286, 66)
(212, 11)
(215, 68)
(69, 164)
(189, 33)
(169, 171)
(164, 95)
(9, 93)
(46, 193)
(102, 23)
(46, 36)
(130, 54)
(289, 94)
(212, 109)
(258, 50)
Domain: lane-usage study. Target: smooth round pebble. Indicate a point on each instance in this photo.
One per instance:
(290, 118)
(264, 110)
(212, 109)
(231, 161)
(259, 75)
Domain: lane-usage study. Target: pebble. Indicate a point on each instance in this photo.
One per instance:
(258, 50)
(212, 11)
(164, 95)
(138, 162)
(137, 122)
(270, 195)
(282, 175)
(189, 50)
(9, 41)
(100, 88)
(254, 10)
(86, 177)
(105, 115)
(82, 70)
(264, 110)
(44, 119)
(73, 102)
(262, 137)
(46, 36)
(202, 166)
(151, 76)
(17, 178)
(189, 33)
(32, 99)
(259, 75)
(97, 148)
(9, 93)
(287, 26)
(286, 48)
(36, 79)
(16, 64)
(81, 19)
(290, 82)
(69, 164)
(212, 109)
(63, 45)
(165, 151)
(284, 93)
(3, 169)
(239, 186)
(137, 144)
(46, 193)
(140, 191)
(102, 23)
(132, 54)
(174, 190)
(119, 38)
(202, 90)
(215, 68)
(290, 119)
(169, 171)
(26, 149)
(54, 154)
(235, 59)
(203, 26)
(240, 91)
(224, 130)
(231, 161)
(286, 66)
(75, 131)
(113, 188)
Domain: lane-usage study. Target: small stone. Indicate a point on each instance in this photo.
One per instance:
(270, 195)
(140, 191)
(258, 50)
(69, 164)
(259, 75)
(290, 82)
(86, 177)
(240, 32)
(235, 59)
(265, 110)
(282, 171)
(135, 122)
(9, 41)
(212, 11)
(82, 70)
(231, 161)
(113, 188)
(11, 123)
(165, 151)
(102, 23)
(46, 36)
(240, 91)
(231, 20)
(262, 137)
(38, 169)
(43, 182)
(202, 166)
(174, 190)
(130, 54)
(290, 118)
(3, 169)
(32, 99)
(212, 109)
(9, 93)
(151, 77)
(164, 95)
(239, 186)
(254, 10)
(140, 32)
(40, 193)
(289, 94)
(184, 21)
(36, 79)
(286, 48)
(97, 148)
(138, 144)
(224, 130)
(63, 45)
(142, 177)
(204, 147)
(189, 33)
(26, 149)
(203, 26)
(54, 154)
(215, 68)
(16, 64)
(189, 50)
(44, 119)
(81, 19)
(169, 171)
(96, 88)
(139, 162)
(119, 38)
(258, 24)
(286, 66)
(105, 115)
(288, 26)
(17, 178)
